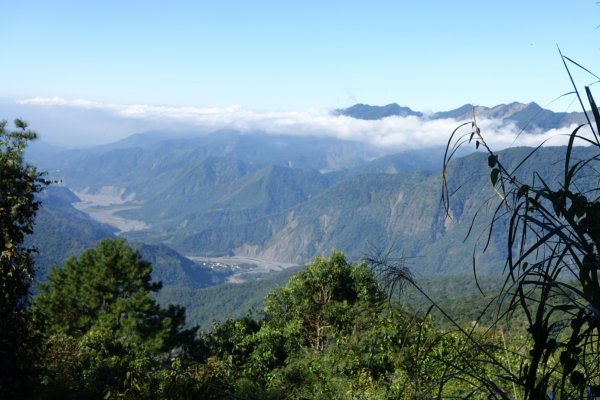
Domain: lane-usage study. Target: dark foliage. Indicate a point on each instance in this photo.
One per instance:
(19, 184)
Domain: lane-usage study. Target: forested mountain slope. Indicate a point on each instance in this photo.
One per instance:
(218, 206)
(290, 198)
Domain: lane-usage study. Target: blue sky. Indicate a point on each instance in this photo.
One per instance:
(286, 55)
(90, 72)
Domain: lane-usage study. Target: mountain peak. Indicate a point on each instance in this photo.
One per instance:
(529, 116)
(457, 113)
(369, 112)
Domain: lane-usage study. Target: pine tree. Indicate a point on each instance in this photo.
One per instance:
(100, 306)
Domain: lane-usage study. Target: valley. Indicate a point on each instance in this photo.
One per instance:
(242, 268)
(232, 208)
(108, 215)
(104, 206)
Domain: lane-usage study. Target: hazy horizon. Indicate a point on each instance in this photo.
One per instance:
(77, 124)
(104, 71)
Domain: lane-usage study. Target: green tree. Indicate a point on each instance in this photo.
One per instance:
(328, 333)
(325, 298)
(105, 333)
(19, 184)
(319, 319)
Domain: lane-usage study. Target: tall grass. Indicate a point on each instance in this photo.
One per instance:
(552, 263)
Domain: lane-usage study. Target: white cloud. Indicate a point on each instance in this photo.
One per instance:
(59, 101)
(394, 132)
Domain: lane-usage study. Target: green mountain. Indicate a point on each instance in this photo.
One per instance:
(61, 231)
(177, 271)
(136, 162)
(216, 206)
(289, 198)
(374, 211)
(229, 185)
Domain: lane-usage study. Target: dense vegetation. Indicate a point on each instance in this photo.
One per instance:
(330, 332)
(19, 183)
(104, 334)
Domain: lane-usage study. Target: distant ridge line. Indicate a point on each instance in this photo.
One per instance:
(530, 116)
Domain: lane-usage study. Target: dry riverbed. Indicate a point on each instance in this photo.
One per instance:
(103, 207)
(243, 268)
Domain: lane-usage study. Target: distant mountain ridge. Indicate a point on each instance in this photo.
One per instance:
(368, 112)
(528, 116)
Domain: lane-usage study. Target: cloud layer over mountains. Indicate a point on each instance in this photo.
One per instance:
(82, 122)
